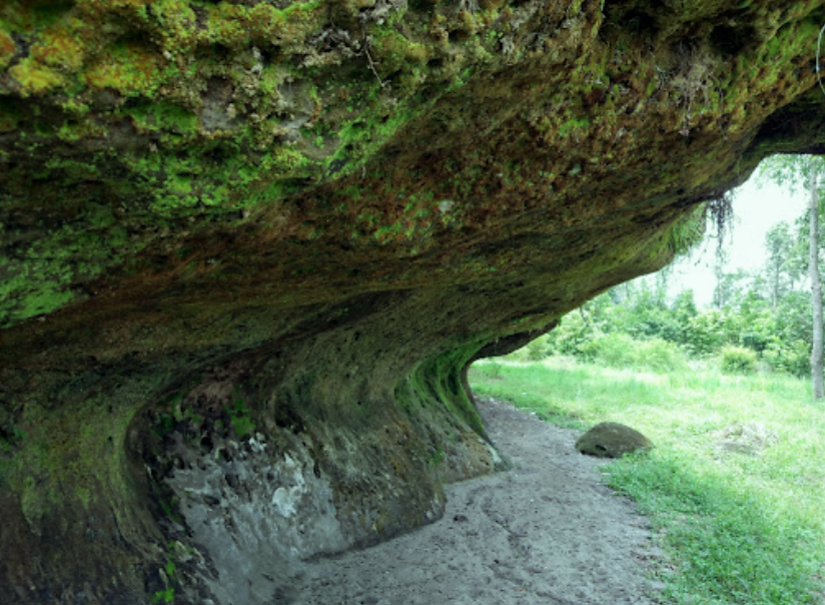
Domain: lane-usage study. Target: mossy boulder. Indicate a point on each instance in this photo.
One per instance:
(227, 226)
(612, 440)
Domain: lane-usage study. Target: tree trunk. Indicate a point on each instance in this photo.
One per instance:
(816, 288)
(776, 285)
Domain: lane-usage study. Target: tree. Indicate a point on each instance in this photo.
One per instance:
(782, 267)
(816, 283)
(730, 287)
(793, 171)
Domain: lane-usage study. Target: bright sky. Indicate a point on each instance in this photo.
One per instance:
(756, 210)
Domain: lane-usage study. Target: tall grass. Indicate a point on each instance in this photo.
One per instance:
(735, 486)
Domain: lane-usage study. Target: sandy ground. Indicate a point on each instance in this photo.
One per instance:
(548, 531)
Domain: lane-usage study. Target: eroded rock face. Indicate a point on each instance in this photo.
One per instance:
(254, 238)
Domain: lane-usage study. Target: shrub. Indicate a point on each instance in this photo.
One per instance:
(538, 349)
(792, 357)
(623, 351)
(704, 333)
(535, 350)
(737, 360)
(661, 356)
(616, 350)
(570, 336)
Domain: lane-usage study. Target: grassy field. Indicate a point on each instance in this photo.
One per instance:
(735, 487)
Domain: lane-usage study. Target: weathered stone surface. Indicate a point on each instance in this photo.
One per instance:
(612, 440)
(297, 223)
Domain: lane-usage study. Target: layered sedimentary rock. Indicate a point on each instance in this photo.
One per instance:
(249, 249)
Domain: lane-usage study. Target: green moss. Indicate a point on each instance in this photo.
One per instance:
(361, 137)
(59, 49)
(188, 180)
(7, 48)
(573, 124)
(131, 69)
(40, 277)
(49, 297)
(392, 51)
(34, 78)
(240, 420)
(71, 457)
(167, 595)
(24, 16)
(309, 107)
(164, 118)
(237, 26)
(74, 54)
(438, 381)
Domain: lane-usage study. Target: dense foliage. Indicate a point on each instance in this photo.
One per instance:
(757, 321)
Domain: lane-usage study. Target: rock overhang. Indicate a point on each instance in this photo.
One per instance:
(325, 210)
(362, 125)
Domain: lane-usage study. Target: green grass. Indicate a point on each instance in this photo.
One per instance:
(737, 527)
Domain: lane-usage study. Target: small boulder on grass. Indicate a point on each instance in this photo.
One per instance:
(612, 440)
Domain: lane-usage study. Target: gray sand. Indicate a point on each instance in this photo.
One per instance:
(546, 532)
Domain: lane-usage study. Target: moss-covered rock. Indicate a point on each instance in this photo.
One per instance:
(229, 225)
(612, 440)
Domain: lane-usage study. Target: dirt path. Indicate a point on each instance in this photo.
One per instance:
(547, 532)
